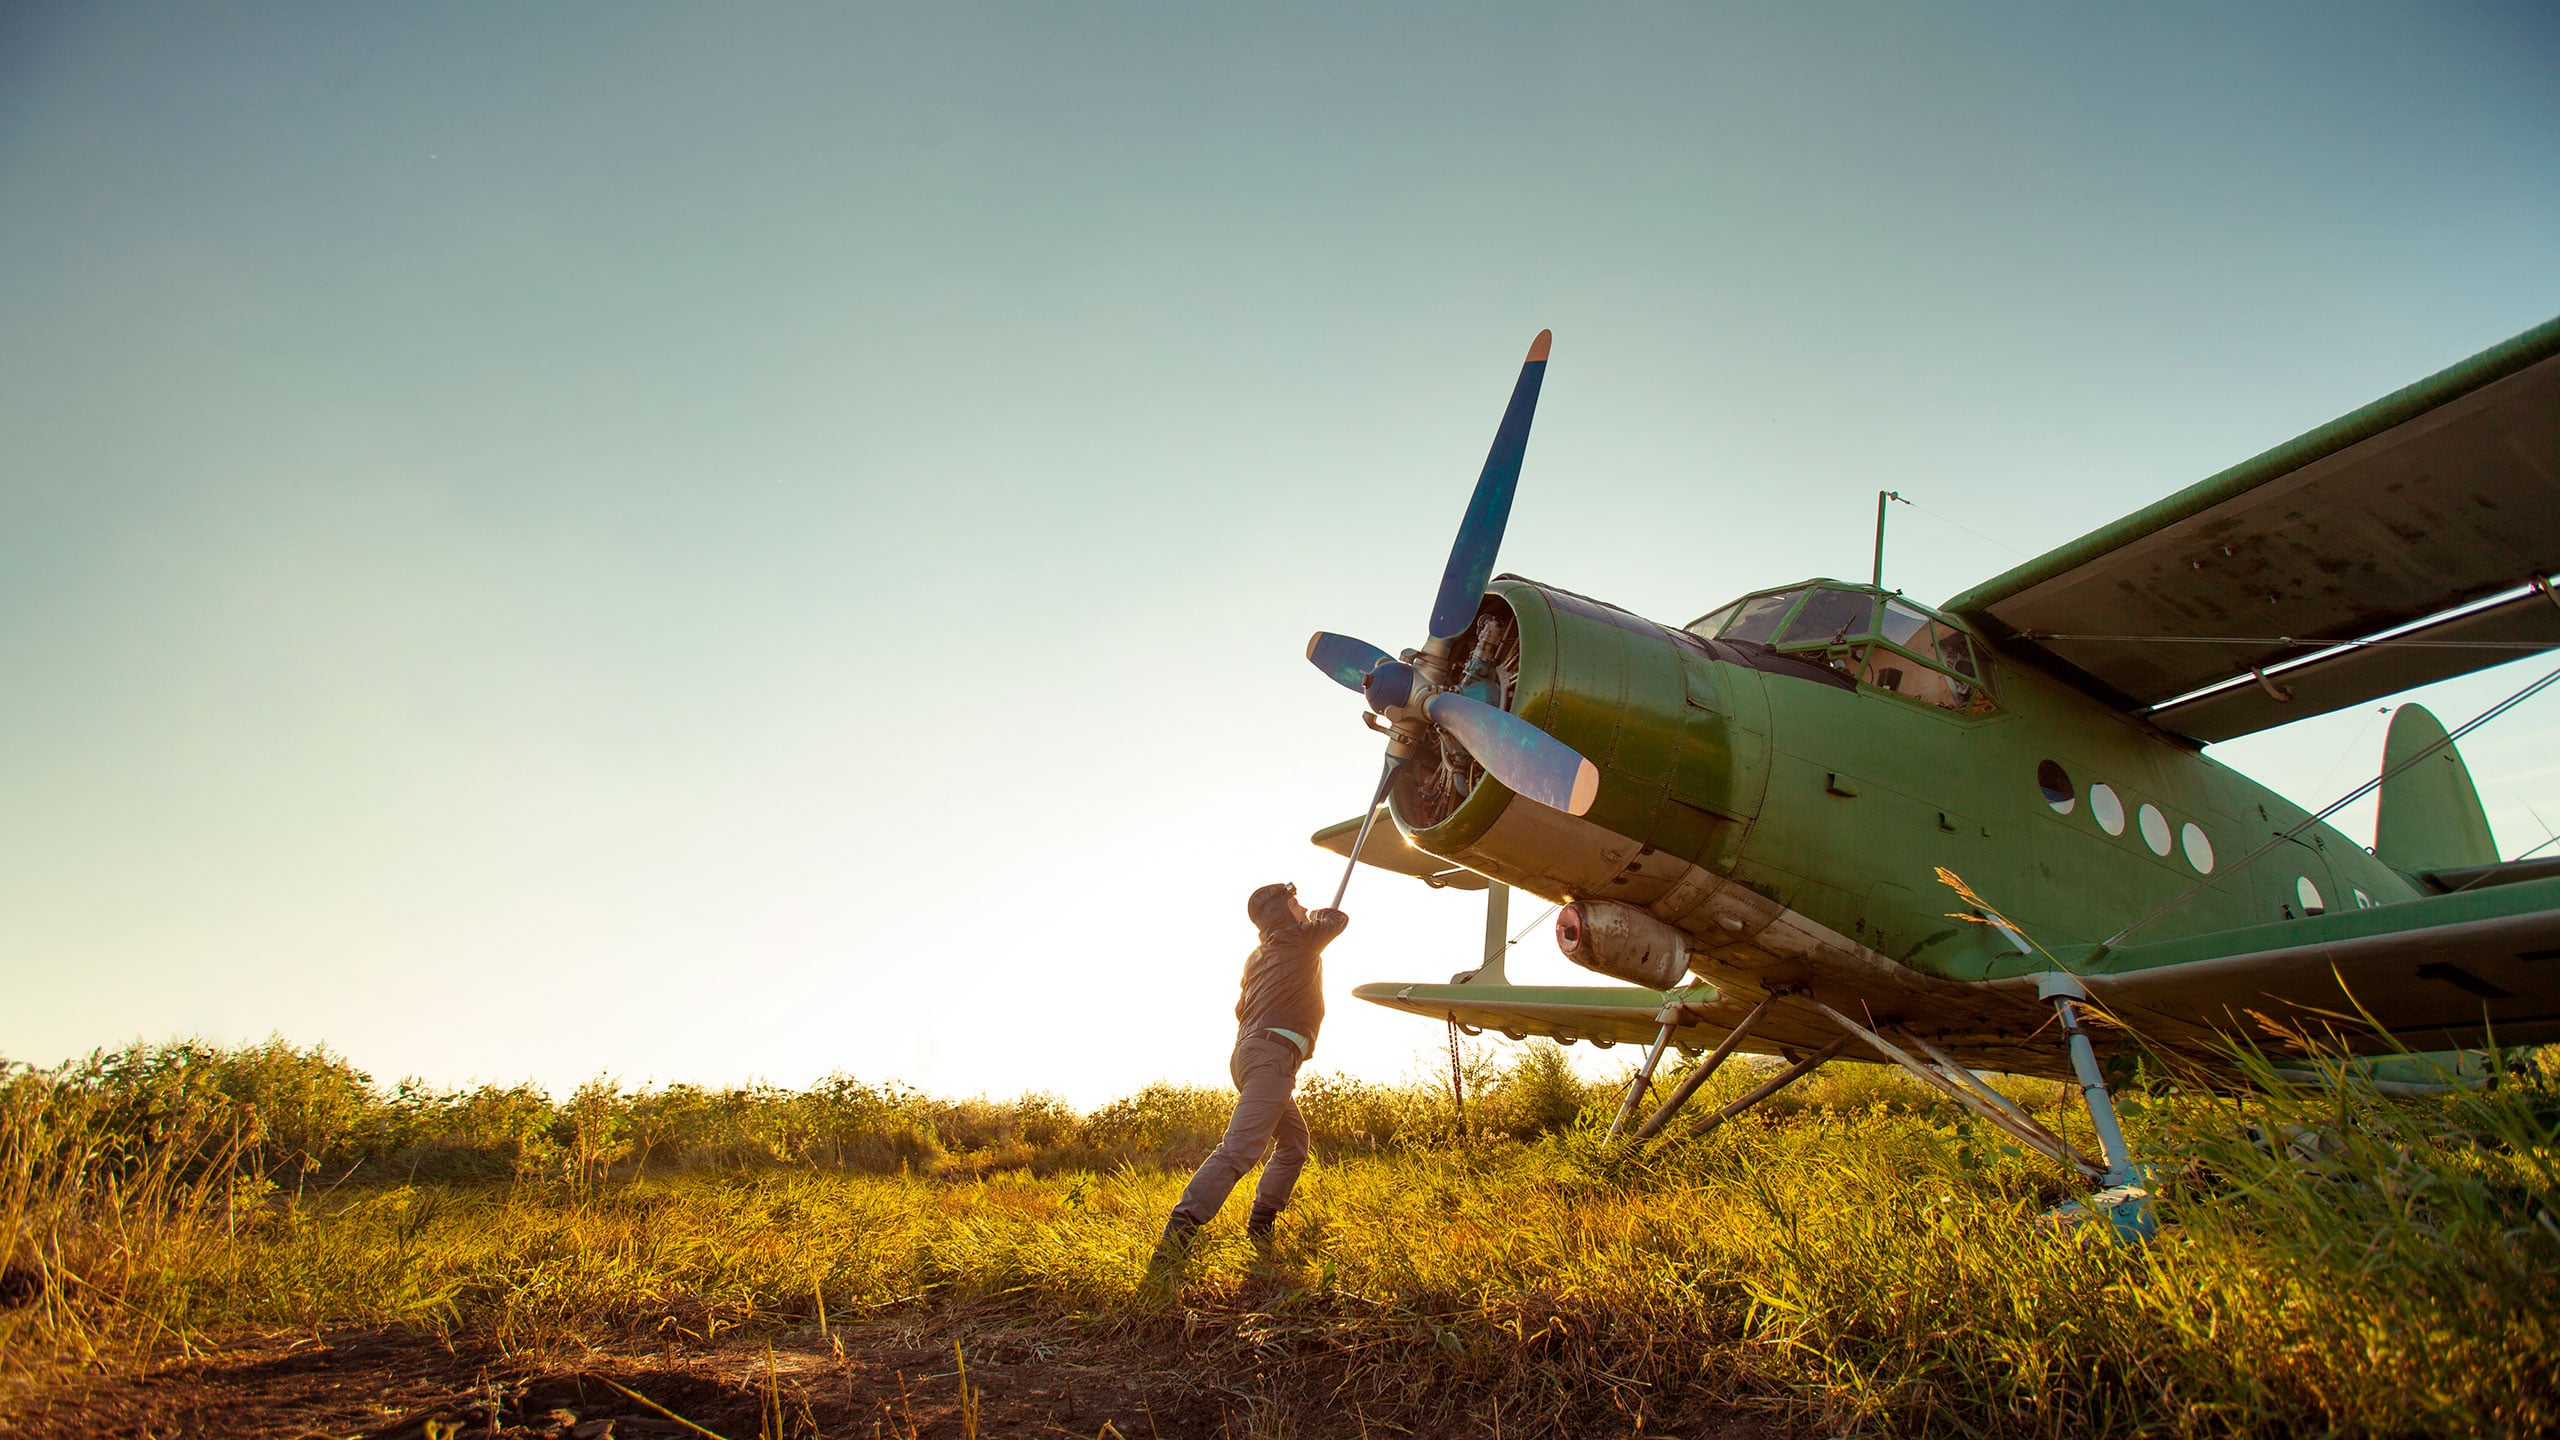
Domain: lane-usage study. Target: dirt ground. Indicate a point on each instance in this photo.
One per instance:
(385, 1386)
(879, 1383)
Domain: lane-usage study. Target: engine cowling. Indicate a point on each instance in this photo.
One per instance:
(1623, 943)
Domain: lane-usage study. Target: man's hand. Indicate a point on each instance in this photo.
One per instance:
(1334, 918)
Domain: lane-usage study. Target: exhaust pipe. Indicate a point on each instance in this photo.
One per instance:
(1623, 943)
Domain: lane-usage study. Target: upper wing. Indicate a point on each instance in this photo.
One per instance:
(2436, 507)
(2451, 971)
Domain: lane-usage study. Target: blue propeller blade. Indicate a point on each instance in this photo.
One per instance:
(1529, 760)
(1480, 534)
(1347, 660)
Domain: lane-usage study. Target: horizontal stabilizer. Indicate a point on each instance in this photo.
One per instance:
(2480, 966)
(1389, 850)
(2480, 877)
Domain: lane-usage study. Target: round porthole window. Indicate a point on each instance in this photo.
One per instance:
(2055, 782)
(2155, 829)
(2106, 809)
(2309, 895)
(2199, 849)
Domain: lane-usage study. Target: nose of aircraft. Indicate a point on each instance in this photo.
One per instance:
(1678, 741)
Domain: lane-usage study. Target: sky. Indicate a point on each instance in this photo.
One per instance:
(724, 544)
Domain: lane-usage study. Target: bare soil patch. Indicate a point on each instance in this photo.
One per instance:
(396, 1386)
(884, 1382)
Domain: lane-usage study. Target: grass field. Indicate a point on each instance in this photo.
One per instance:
(1855, 1257)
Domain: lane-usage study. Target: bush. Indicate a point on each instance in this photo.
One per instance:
(1347, 1116)
(1538, 1095)
(1174, 1126)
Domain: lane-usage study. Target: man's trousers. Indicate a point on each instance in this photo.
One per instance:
(1265, 1069)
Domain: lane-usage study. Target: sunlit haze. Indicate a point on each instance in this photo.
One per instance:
(713, 543)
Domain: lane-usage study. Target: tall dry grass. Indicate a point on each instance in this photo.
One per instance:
(1858, 1255)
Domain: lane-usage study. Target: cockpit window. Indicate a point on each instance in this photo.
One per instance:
(1891, 670)
(1706, 626)
(1896, 646)
(1757, 618)
(1954, 651)
(1901, 622)
(1829, 617)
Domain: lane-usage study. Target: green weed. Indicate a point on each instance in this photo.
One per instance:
(1858, 1255)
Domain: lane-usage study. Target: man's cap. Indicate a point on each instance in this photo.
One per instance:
(1269, 906)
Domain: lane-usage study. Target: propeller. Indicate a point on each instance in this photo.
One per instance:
(1529, 760)
(1417, 691)
(1347, 660)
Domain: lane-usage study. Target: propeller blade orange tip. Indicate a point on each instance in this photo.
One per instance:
(1586, 788)
(1538, 347)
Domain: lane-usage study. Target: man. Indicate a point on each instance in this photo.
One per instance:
(1277, 1017)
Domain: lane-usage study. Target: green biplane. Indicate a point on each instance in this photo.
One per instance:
(1752, 819)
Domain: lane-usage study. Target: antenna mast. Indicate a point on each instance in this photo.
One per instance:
(1881, 497)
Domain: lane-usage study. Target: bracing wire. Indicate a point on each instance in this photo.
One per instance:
(1457, 1074)
(2367, 788)
(2293, 640)
(2549, 836)
(2352, 746)
(1491, 955)
(1969, 530)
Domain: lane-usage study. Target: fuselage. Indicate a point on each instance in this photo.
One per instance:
(1824, 801)
(1779, 803)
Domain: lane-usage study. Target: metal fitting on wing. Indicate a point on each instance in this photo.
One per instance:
(1622, 942)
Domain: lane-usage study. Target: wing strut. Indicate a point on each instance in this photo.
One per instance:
(1771, 1086)
(2004, 1115)
(1705, 1071)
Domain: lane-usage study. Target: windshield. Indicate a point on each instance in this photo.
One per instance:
(1757, 618)
(1919, 655)
(1706, 626)
(1829, 617)
(1901, 622)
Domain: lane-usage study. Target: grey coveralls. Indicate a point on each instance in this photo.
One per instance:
(1283, 988)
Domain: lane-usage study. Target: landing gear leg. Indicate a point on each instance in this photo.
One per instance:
(2125, 1203)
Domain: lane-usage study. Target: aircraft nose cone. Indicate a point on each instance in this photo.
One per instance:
(1390, 686)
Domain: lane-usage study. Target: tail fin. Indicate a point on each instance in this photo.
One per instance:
(2430, 816)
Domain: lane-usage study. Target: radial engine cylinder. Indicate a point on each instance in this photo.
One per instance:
(1622, 942)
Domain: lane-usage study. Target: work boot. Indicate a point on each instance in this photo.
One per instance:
(1259, 1225)
(1174, 1246)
